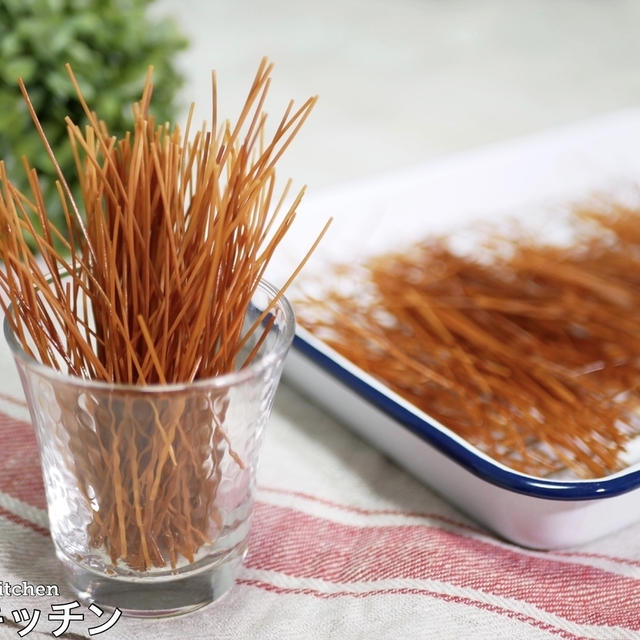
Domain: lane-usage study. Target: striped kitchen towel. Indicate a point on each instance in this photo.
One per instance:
(343, 545)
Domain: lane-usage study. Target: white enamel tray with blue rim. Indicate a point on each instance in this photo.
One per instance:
(536, 179)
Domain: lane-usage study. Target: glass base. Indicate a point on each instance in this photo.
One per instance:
(155, 597)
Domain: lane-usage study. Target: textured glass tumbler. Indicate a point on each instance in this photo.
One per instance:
(150, 489)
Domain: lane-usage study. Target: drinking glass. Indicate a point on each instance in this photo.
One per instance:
(150, 488)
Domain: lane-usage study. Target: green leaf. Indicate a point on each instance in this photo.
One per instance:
(33, 29)
(55, 6)
(61, 39)
(59, 84)
(84, 24)
(10, 45)
(80, 55)
(22, 67)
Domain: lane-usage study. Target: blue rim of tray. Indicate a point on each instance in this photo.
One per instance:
(463, 455)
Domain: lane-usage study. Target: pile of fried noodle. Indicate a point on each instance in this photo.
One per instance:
(531, 353)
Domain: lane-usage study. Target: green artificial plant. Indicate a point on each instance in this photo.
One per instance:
(109, 44)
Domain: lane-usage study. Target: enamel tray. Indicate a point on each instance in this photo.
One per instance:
(534, 179)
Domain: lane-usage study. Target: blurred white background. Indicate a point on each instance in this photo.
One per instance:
(403, 81)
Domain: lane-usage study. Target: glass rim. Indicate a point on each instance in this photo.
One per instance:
(223, 380)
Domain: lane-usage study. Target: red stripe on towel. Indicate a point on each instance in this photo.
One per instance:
(375, 512)
(15, 518)
(297, 544)
(509, 613)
